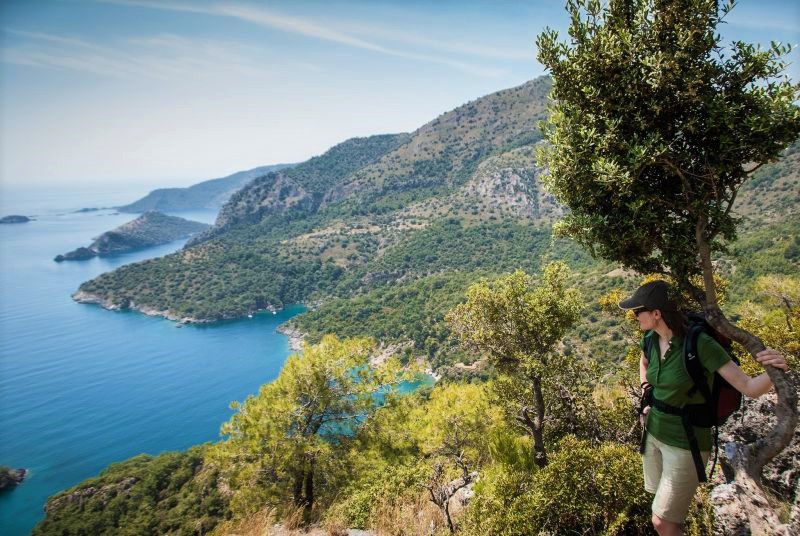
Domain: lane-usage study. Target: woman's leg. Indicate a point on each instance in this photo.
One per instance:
(667, 528)
(676, 489)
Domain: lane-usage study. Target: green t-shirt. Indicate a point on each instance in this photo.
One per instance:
(671, 384)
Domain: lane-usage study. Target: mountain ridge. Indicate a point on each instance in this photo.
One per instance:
(212, 193)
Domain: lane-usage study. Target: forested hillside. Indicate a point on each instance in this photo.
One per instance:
(364, 214)
(383, 233)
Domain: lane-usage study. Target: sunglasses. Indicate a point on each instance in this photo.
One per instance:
(639, 311)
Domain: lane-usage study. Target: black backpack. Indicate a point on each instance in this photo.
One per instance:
(721, 400)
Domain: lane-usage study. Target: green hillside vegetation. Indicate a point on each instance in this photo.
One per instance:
(395, 261)
(173, 493)
(335, 224)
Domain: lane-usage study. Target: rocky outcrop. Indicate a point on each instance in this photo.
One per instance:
(106, 303)
(81, 496)
(10, 478)
(296, 336)
(14, 218)
(150, 229)
(780, 476)
(511, 182)
(80, 254)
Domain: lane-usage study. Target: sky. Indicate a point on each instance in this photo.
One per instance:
(169, 93)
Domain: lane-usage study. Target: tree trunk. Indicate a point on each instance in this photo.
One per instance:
(748, 460)
(297, 490)
(309, 487)
(442, 493)
(538, 421)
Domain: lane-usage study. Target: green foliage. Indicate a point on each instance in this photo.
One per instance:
(585, 489)
(399, 445)
(516, 324)
(649, 151)
(173, 493)
(284, 445)
(386, 487)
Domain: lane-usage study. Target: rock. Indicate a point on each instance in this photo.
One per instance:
(10, 478)
(295, 337)
(751, 422)
(15, 219)
(80, 254)
(780, 476)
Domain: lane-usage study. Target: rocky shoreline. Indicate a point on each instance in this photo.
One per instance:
(82, 296)
(11, 478)
(87, 297)
(296, 336)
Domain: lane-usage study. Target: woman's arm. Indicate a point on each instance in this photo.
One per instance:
(644, 410)
(643, 362)
(753, 387)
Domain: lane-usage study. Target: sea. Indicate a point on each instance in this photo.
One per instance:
(82, 387)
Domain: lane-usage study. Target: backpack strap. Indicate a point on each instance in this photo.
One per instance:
(685, 415)
(693, 367)
(648, 352)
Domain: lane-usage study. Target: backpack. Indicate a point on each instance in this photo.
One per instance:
(721, 400)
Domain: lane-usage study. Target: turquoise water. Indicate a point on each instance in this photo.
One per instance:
(81, 387)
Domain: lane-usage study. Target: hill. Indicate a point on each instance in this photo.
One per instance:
(359, 216)
(207, 194)
(381, 235)
(150, 229)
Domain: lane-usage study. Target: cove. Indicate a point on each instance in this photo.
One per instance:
(81, 387)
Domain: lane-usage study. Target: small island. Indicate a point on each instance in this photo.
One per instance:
(14, 218)
(150, 229)
(10, 478)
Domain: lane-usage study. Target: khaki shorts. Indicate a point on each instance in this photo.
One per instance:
(669, 472)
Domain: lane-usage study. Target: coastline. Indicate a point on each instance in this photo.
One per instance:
(296, 337)
(82, 296)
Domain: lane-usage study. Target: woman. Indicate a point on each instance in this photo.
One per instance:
(669, 469)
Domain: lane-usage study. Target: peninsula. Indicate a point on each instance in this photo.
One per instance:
(14, 219)
(150, 229)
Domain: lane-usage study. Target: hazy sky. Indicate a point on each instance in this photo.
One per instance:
(174, 92)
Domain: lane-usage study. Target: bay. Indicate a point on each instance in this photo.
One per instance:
(81, 387)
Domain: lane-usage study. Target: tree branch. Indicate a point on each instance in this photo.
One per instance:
(760, 452)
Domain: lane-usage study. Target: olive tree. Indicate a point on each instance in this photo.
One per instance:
(654, 128)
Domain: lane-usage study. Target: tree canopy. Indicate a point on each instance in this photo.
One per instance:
(655, 125)
(296, 427)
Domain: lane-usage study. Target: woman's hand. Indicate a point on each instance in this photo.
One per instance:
(643, 416)
(773, 358)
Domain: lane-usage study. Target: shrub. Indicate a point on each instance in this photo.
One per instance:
(584, 489)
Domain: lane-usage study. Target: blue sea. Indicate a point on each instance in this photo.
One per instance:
(82, 387)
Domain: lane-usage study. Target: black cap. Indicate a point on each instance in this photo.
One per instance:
(651, 296)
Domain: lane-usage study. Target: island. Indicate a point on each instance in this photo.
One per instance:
(10, 478)
(14, 218)
(150, 229)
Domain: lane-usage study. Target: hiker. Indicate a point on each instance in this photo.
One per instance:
(672, 468)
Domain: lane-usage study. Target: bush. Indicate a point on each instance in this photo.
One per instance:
(585, 489)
